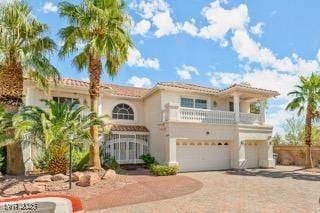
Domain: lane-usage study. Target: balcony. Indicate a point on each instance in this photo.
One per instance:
(176, 113)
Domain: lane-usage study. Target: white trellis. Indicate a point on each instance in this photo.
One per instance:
(126, 148)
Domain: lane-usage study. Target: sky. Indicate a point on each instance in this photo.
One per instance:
(215, 43)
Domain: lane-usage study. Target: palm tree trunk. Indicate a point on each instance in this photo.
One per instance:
(95, 68)
(11, 91)
(308, 143)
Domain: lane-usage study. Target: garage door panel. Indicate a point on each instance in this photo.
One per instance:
(252, 157)
(201, 157)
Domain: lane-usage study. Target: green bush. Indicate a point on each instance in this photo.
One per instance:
(148, 160)
(3, 160)
(80, 159)
(41, 161)
(163, 170)
(109, 162)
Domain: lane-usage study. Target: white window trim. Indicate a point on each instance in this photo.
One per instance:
(194, 101)
(135, 114)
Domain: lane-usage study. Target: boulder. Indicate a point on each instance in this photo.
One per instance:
(43, 178)
(109, 174)
(58, 177)
(76, 176)
(32, 188)
(89, 179)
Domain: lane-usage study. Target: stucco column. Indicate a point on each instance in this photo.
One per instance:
(262, 112)
(171, 112)
(238, 151)
(236, 107)
(172, 151)
(266, 154)
(100, 104)
(29, 96)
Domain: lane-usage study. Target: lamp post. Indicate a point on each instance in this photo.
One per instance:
(70, 159)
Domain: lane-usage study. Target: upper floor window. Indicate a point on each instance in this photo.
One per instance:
(61, 100)
(193, 103)
(123, 112)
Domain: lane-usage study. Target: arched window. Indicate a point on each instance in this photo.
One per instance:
(123, 112)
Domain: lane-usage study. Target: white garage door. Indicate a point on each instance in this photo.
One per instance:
(252, 157)
(197, 156)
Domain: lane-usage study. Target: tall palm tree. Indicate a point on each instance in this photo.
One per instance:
(52, 129)
(23, 53)
(101, 26)
(306, 99)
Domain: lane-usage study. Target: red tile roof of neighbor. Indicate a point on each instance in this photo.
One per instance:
(129, 91)
(128, 128)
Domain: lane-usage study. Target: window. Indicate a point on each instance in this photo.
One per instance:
(122, 112)
(187, 102)
(193, 103)
(64, 99)
(201, 104)
(231, 109)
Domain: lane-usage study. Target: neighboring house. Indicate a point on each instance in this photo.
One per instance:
(195, 127)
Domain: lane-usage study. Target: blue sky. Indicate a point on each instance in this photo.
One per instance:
(213, 43)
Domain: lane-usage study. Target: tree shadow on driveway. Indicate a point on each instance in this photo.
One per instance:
(295, 174)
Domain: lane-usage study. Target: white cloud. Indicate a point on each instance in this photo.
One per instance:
(158, 13)
(185, 72)
(141, 28)
(49, 7)
(164, 24)
(266, 79)
(135, 59)
(257, 29)
(189, 27)
(139, 82)
(318, 55)
(221, 21)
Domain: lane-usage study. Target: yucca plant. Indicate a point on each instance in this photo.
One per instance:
(53, 127)
(102, 27)
(24, 51)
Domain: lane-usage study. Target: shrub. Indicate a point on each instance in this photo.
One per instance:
(41, 161)
(148, 160)
(80, 159)
(109, 162)
(163, 170)
(3, 164)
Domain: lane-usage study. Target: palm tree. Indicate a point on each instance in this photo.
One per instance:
(23, 51)
(101, 26)
(52, 128)
(306, 99)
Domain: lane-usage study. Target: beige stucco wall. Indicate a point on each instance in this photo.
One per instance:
(108, 103)
(152, 120)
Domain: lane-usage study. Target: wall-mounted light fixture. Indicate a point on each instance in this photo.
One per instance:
(207, 133)
(242, 142)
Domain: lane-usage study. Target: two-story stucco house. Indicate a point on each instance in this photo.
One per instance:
(195, 127)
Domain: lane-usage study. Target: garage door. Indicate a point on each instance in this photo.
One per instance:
(252, 157)
(201, 156)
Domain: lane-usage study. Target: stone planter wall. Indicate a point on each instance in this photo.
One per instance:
(295, 155)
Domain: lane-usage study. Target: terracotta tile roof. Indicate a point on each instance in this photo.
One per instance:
(189, 87)
(128, 128)
(75, 82)
(127, 90)
(248, 87)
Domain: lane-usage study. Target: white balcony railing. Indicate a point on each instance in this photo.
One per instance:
(207, 116)
(250, 118)
(176, 113)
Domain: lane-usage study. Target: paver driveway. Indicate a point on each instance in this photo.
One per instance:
(285, 189)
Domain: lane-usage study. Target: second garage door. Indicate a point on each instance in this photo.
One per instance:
(252, 157)
(202, 156)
